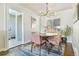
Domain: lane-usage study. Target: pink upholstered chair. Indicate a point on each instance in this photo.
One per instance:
(37, 41)
(55, 41)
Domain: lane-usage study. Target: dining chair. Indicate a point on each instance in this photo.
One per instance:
(55, 41)
(37, 41)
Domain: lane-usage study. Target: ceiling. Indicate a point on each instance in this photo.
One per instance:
(52, 7)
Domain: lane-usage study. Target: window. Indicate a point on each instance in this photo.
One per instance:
(56, 22)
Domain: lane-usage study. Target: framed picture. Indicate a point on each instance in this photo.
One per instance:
(33, 22)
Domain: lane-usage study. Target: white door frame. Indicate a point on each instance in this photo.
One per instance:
(22, 28)
(22, 42)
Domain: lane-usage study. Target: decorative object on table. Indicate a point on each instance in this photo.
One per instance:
(66, 32)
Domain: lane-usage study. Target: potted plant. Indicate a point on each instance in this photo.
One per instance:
(66, 32)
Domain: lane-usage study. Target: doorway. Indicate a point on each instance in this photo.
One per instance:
(14, 26)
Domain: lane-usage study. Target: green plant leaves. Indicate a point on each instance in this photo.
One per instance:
(67, 31)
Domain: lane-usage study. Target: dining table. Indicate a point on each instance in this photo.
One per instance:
(45, 36)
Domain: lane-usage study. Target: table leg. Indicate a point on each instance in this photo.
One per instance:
(40, 51)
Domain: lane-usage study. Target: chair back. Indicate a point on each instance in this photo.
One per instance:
(35, 38)
(57, 39)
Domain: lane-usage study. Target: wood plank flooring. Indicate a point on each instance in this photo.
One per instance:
(68, 50)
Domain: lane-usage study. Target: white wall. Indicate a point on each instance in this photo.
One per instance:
(2, 28)
(27, 24)
(76, 38)
(75, 41)
(43, 23)
(66, 17)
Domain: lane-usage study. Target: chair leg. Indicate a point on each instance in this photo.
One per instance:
(59, 48)
(49, 47)
(31, 47)
(48, 50)
(46, 44)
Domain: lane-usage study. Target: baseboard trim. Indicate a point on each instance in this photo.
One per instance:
(27, 43)
(75, 51)
(3, 52)
(21, 44)
(3, 49)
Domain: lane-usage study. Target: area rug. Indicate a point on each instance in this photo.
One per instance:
(36, 52)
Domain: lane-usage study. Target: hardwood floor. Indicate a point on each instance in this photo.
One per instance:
(68, 50)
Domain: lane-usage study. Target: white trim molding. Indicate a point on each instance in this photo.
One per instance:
(3, 49)
(75, 51)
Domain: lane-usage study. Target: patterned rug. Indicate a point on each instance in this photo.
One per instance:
(44, 52)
